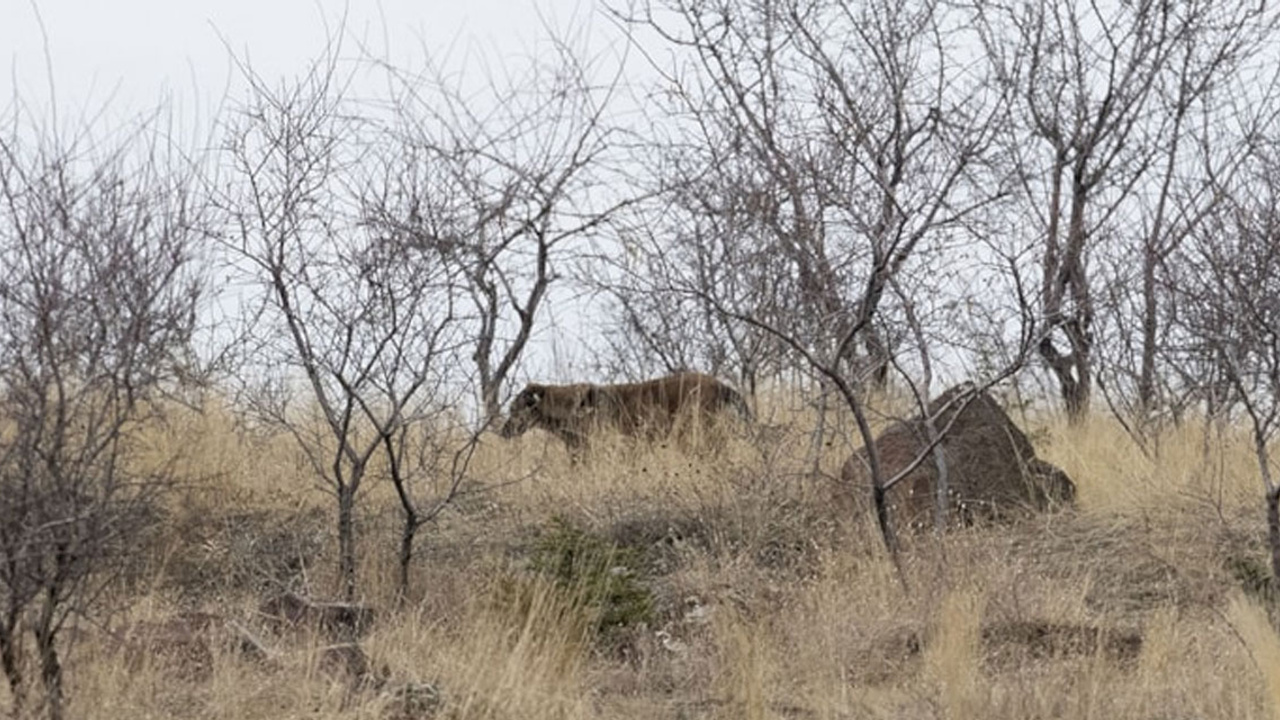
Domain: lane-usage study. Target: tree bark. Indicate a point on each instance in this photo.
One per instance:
(879, 493)
(347, 542)
(885, 523)
(1147, 372)
(1072, 279)
(1273, 492)
(942, 490)
(1273, 533)
(46, 633)
(1075, 395)
(877, 359)
(407, 533)
(11, 662)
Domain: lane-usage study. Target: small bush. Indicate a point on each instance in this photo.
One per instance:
(1254, 577)
(212, 552)
(604, 575)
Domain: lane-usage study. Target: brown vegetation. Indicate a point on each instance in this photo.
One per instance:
(830, 200)
(764, 600)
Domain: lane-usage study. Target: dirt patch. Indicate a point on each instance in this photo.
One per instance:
(1009, 644)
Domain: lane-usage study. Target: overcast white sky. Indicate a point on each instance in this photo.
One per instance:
(130, 56)
(133, 52)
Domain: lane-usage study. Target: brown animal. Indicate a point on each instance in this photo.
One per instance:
(992, 469)
(647, 409)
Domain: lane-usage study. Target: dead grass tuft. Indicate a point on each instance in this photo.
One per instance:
(766, 602)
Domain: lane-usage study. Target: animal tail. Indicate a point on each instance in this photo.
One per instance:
(729, 396)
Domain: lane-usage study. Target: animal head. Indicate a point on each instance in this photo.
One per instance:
(551, 407)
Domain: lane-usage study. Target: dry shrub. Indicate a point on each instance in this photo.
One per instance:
(766, 602)
(1112, 473)
(518, 660)
(229, 553)
(953, 656)
(1259, 636)
(744, 685)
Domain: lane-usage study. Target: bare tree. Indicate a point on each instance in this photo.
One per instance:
(657, 330)
(1231, 309)
(1211, 49)
(98, 295)
(522, 174)
(429, 445)
(1108, 97)
(839, 143)
(920, 392)
(1210, 100)
(351, 334)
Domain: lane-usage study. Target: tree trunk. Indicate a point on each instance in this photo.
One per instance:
(1147, 373)
(407, 533)
(817, 440)
(1075, 396)
(347, 541)
(50, 665)
(484, 363)
(51, 674)
(942, 489)
(1068, 369)
(1072, 279)
(878, 491)
(1273, 497)
(1273, 533)
(1064, 277)
(11, 662)
(489, 389)
(877, 359)
(885, 523)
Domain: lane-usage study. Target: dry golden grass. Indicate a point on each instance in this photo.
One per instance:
(766, 605)
(1259, 637)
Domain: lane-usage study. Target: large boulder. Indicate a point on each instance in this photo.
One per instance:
(992, 469)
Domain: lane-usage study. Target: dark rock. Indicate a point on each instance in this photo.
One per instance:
(992, 468)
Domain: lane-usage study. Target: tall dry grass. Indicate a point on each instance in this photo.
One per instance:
(1259, 637)
(767, 604)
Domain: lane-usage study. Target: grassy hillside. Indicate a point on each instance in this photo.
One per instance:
(743, 593)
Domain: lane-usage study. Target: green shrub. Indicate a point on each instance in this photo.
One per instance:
(1254, 576)
(599, 573)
